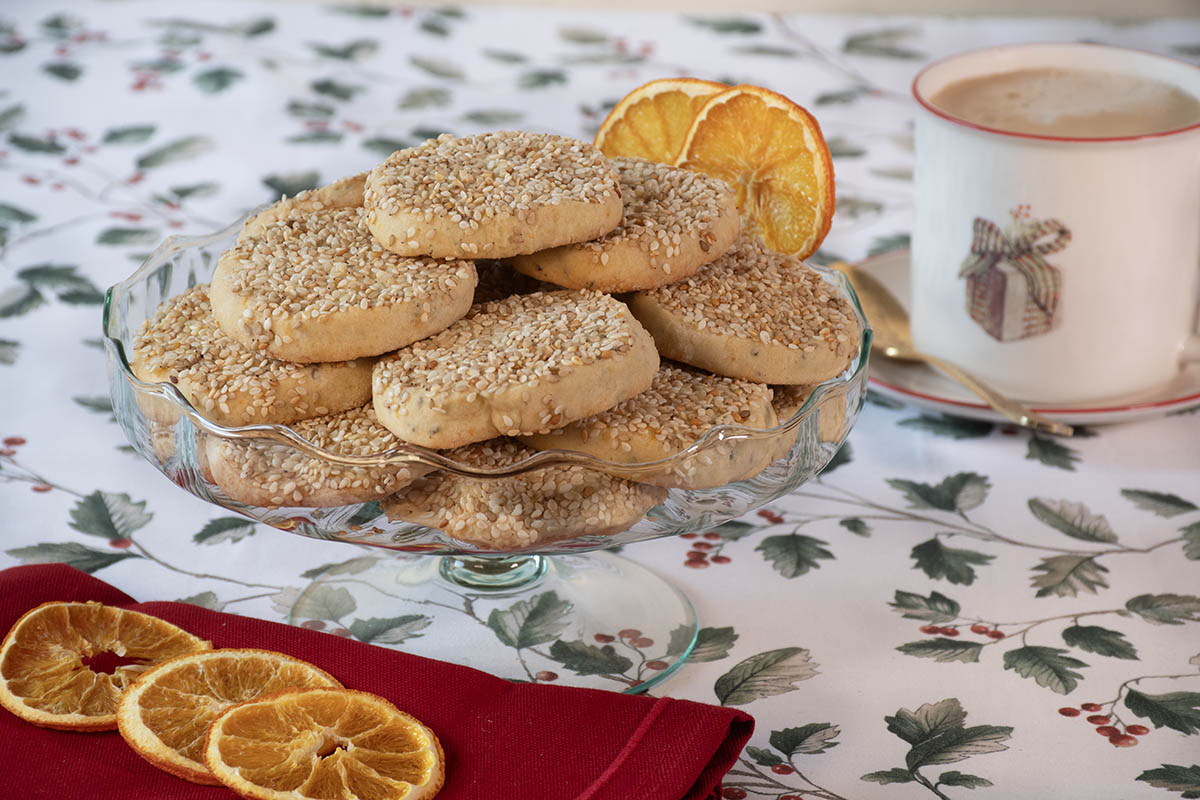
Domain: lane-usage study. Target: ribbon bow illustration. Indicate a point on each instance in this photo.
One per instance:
(990, 246)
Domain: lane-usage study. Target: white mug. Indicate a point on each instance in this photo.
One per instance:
(1058, 270)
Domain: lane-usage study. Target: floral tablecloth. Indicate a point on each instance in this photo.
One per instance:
(953, 605)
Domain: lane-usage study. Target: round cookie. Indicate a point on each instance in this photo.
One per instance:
(524, 364)
(269, 474)
(678, 409)
(307, 282)
(753, 314)
(675, 221)
(343, 193)
(229, 383)
(522, 510)
(491, 195)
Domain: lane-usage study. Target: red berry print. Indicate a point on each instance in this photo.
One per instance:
(32, 180)
(41, 487)
(313, 624)
(1069, 711)
(546, 676)
(643, 642)
(604, 638)
(1123, 740)
(765, 513)
(713, 536)
(657, 664)
(14, 441)
(948, 631)
(629, 633)
(1098, 719)
(1108, 730)
(790, 797)
(977, 628)
(733, 793)
(721, 559)
(689, 536)
(996, 634)
(696, 555)
(71, 161)
(930, 629)
(782, 769)
(1137, 730)
(1090, 706)
(702, 546)
(696, 564)
(120, 544)
(342, 632)
(7, 451)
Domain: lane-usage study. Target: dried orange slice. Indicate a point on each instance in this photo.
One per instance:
(324, 743)
(653, 120)
(64, 665)
(165, 714)
(771, 151)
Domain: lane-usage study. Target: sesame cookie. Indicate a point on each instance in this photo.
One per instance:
(344, 193)
(265, 473)
(524, 364)
(831, 413)
(753, 314)
(492, 195)
(307, 282)
(522, 510)
(675, 221)
(229, 383)
(678, 409)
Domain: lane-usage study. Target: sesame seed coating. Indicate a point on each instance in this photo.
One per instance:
(518, 365)
(491, 195)
(523, 510)
(677, 410)
(231, 384)
(304, 287)
(754, 314)
(272, 474)
(674, 221)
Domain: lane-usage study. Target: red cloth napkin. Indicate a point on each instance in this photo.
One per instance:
(501, 739)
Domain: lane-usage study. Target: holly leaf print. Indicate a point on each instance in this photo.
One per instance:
(541, 78)
(335, 89)
(587, 659)
(1162, 505)
(389, 630)
(1179, 711)
(733, 530)
(712, 644)
(954, 564)
(816, 737)
(73, 554)
(224, 529)
(438, 68)
(726, 24)
(357, 50)
(530, 622)
(108, 515)
(1166, 609)
(943, 649)
(383, 145)
(19, 299)
(217, 79)
(1066, 576)
(34, 144)
(128, 134)
(580, 35)
(792, 555)
(9, 348)
(1050, 667)
(124, 237)
(1100, 641)
(207, 600)
(764, 675)
(292, 183)
(351, 566)
(949, 427)
(324, 602)
(307, 110)
(11, 116)
(928, 720)
(64, 281)
(855, 526)
(1051, 453)
(960, 492)
(884, 43)
(935, 608)
(893, 775)
(1175, 777)
(1191, 541)
(763, 756)
(1073, 519)
(63, 70)
(425, 97)
(955, 778)
(958, 745)
(178, 150)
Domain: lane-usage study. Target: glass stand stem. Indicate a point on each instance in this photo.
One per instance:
(492, 573)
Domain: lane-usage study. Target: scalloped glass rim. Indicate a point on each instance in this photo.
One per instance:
(413, 454)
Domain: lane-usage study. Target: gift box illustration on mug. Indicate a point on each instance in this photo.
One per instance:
(1012, 291)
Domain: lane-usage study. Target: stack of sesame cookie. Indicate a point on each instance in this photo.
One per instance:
(460, 297)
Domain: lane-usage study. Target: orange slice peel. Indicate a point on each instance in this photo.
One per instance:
(48, 672)
(653, 120)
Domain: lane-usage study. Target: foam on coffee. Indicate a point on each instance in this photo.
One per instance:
(1077, 103)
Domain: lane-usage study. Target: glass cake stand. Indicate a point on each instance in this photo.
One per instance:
(572, 604)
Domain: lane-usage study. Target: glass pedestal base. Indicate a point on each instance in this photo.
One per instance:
(595, 619)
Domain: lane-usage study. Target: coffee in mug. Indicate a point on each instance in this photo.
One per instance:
(1056, 235)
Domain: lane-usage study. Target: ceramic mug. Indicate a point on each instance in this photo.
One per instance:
(1057, 269)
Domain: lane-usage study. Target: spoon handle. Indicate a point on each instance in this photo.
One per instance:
(1010, 408)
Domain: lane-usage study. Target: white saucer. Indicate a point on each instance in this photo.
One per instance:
(924, 386)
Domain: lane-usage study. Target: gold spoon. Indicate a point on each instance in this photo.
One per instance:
(893, 338)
